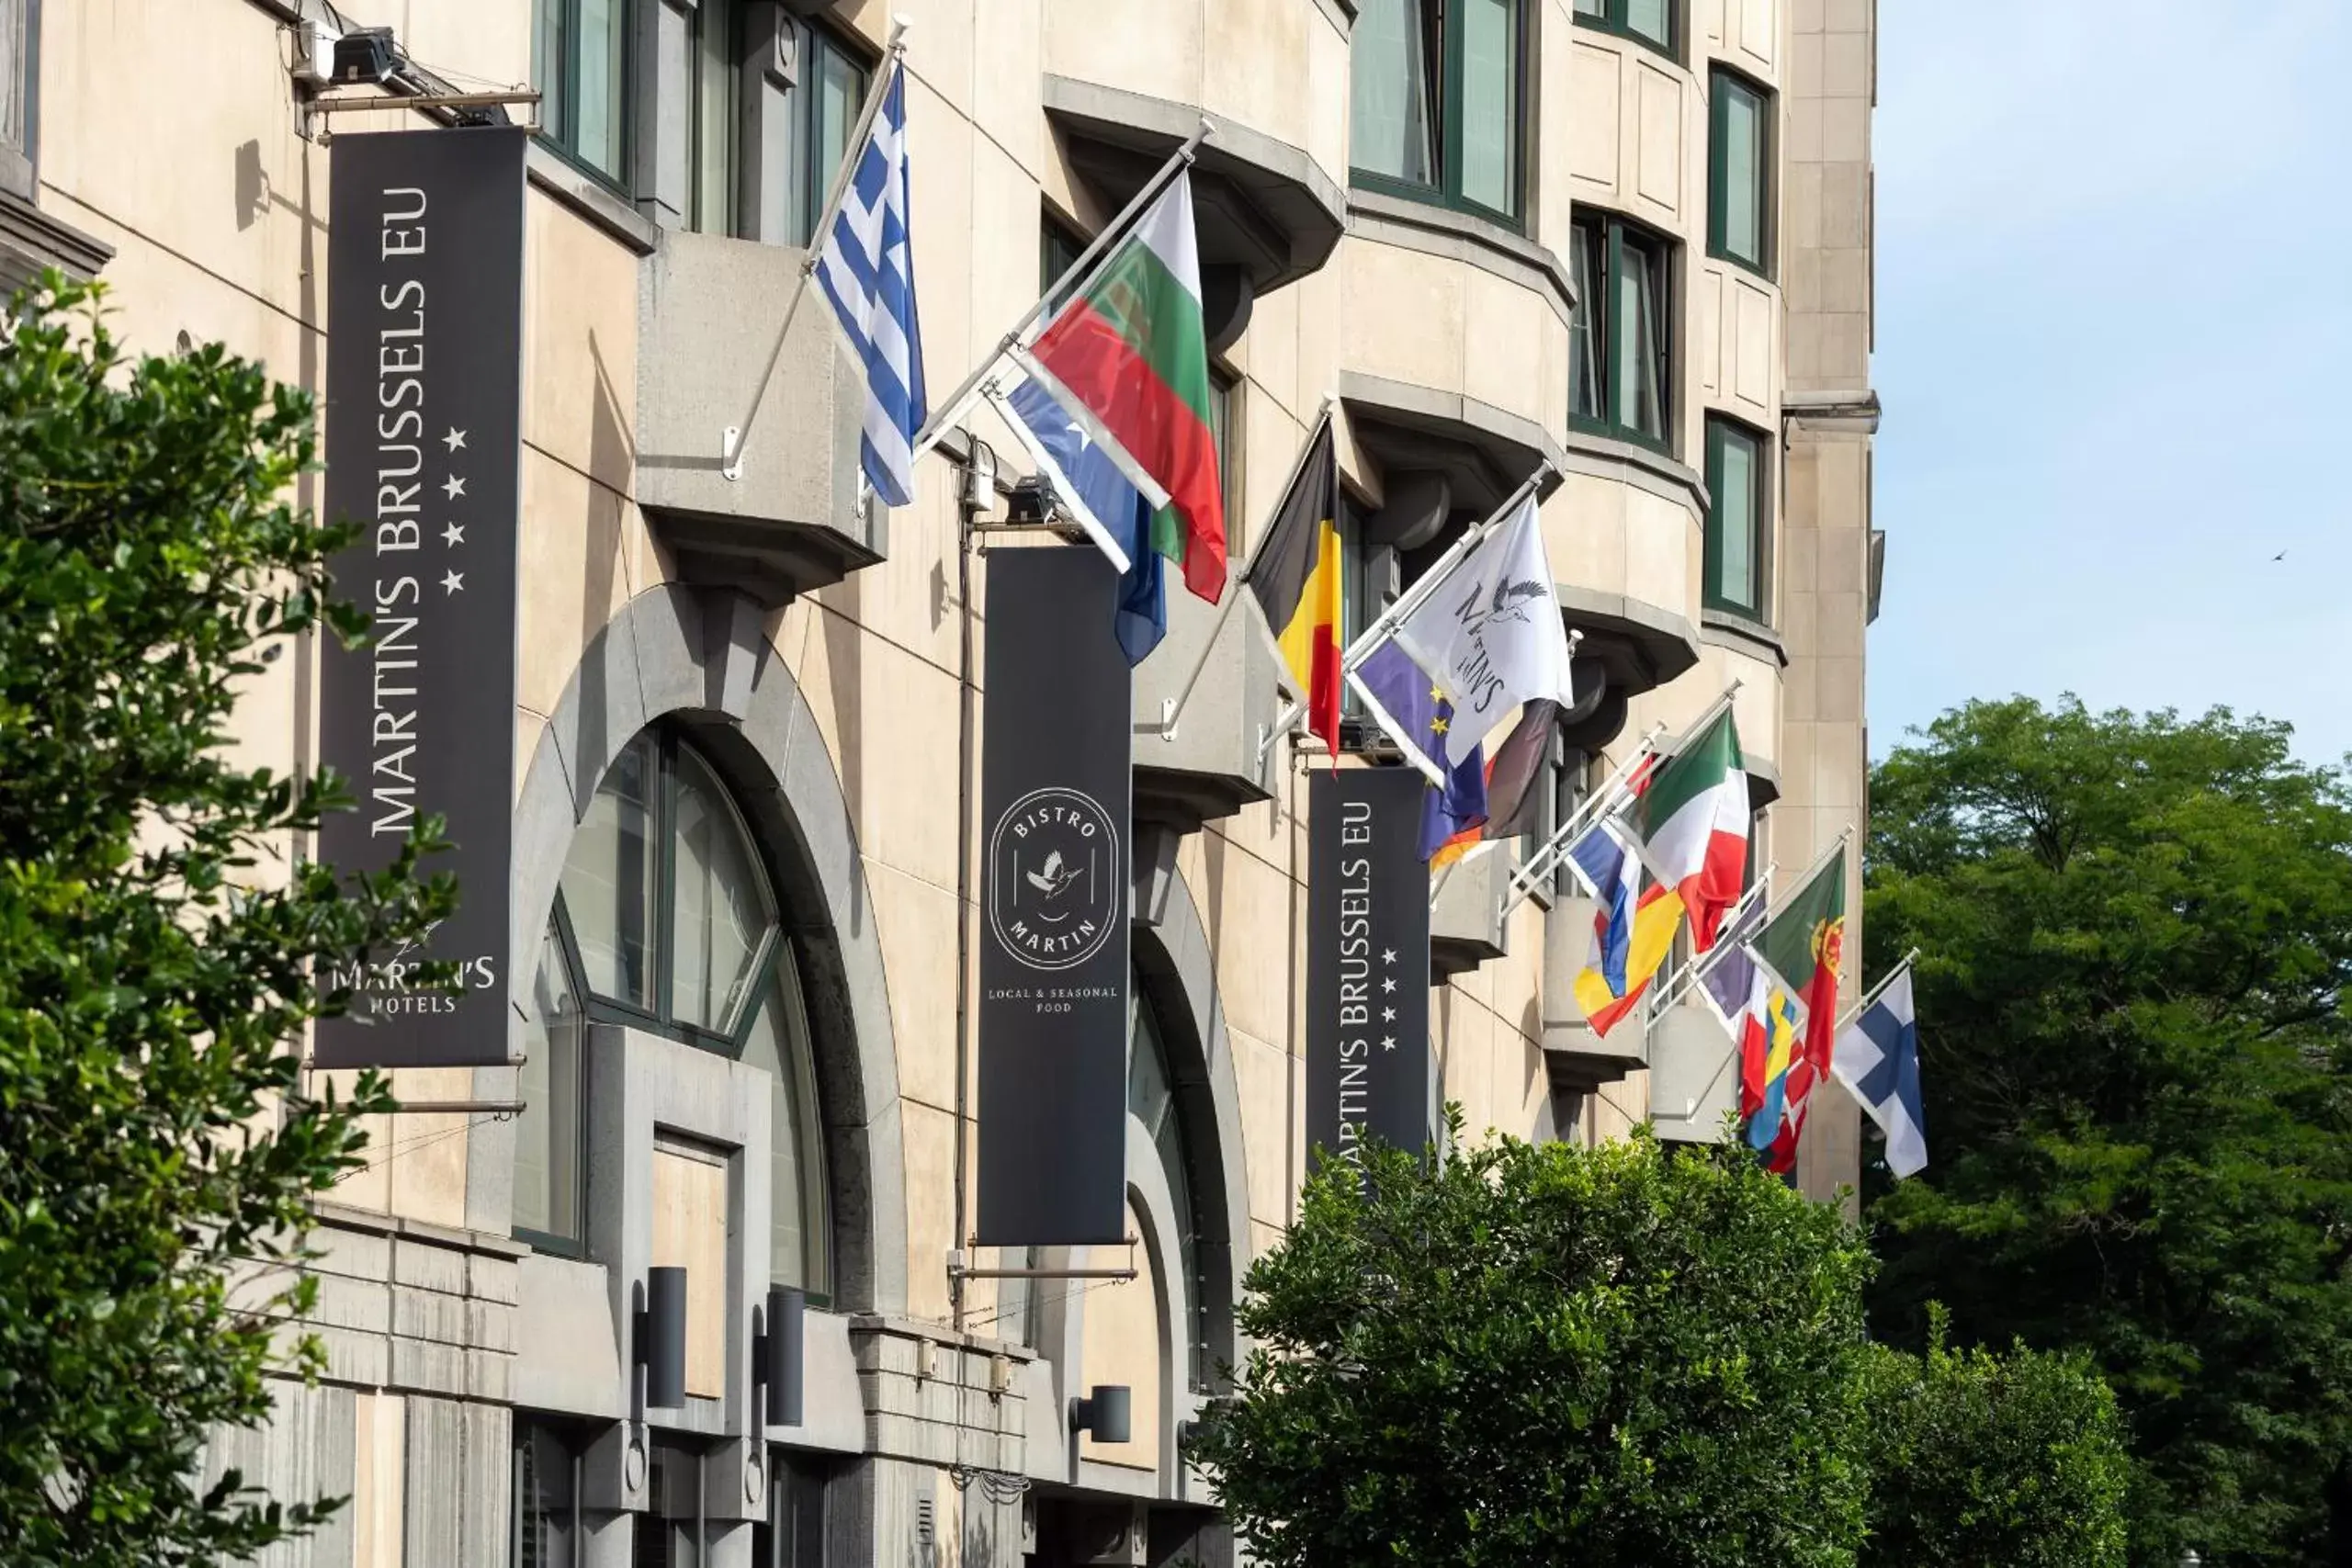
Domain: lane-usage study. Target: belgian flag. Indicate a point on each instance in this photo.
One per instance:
(1297, 579)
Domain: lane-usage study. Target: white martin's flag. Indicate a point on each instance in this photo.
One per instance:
(1491, 634)
(1877, 1057)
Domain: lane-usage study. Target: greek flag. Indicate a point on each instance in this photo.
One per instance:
(866, 268)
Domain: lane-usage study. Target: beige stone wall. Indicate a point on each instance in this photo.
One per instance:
(217, 208)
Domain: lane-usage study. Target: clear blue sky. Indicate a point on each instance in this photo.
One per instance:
(2114, 343)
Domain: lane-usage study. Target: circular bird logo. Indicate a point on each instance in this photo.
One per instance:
(1054, 878)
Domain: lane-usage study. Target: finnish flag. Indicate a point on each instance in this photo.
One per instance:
(1878, 1059)
(866, 268)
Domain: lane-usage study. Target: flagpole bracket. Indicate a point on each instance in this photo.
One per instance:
(730, 453)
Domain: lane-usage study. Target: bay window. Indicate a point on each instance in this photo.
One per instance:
(1438, 92)
(1620, 358)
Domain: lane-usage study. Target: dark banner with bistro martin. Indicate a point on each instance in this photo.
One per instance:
(1056, 784)
(1367, 962)
(423, 425)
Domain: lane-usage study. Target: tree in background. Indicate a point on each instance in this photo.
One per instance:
(2137, 936)
(1610, 1357)
(1978, 1459)
(155, 948)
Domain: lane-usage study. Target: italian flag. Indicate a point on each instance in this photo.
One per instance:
(1129, 351)
(1694, 826)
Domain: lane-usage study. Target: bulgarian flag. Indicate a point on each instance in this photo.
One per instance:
(1694, 826)
(1129, 351)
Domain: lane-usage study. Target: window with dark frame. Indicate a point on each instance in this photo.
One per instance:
(1621, 340)
(545, 1515)
(1739, 172)
(824, 109)
(666, 921)
(792, 1534)
(19, 94)
(715, 47)
(580, 60)
(1437, 100)
(1739, 520)
(1653, 23)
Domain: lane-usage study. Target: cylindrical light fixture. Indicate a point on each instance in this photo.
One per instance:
(782, 1353)
(1105, 1412)
(665, 1351)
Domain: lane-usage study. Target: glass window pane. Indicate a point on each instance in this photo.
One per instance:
(1735, 520)
(1588, 327)
(1595, 8)
(838, 92)
(608, 881)
(779, 1044)
(669, 1532)
(1651, 19)
(601, 109)
(1392, 131)
(1636, 359)
(723, 911)
(543, 1499)
(1490, 104)
(1743, 193)
(714, 126)
(546, 1134)
(550, 47)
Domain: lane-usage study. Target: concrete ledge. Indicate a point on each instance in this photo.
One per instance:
(598, 204)
(1607, 458)
(1723, 629)
(1459, 236)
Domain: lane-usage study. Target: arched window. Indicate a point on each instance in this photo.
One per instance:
(665, 920)
(1152, 1100)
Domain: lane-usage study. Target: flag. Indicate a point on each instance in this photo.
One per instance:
(1878, 1058)
(1778, 1121)
(1514, 800)
(1411, 707)
(1296, 575)
(1633, 929)
(1694, 826)
(1129, 350)
(867, 269)
(1093, 491)
(1491, 634)
(1739, 989)
(1452, 816)
(1802, 944)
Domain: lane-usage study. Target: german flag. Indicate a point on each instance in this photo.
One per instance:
(1297, 579)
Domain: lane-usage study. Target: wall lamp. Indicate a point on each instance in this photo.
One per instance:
(662, 1337)
(1105, 1413)
(777, 1354)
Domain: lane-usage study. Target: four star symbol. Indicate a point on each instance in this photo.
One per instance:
(1388, 983)
(454, 534)
(454, 487)
(1388, 1042)
(453, 581)
(455, 439)
(1387, 1015)
(1388, 955)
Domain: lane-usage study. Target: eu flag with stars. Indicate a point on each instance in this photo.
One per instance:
(1412, 708)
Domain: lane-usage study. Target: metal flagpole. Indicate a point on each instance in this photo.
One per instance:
(1705, 964)
(730, 440)
(1081, 271)
(1546, 858)
(1172, 708)
(1368, 640)
(1878, 990)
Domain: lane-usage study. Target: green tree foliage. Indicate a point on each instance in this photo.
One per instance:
(155, 945)
(2014, 1460)
(1622, 1358)
(2138, 932)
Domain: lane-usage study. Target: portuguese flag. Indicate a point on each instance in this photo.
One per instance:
(1694, 826)
(1805, 944)
(1295, 576)
(1129, 350)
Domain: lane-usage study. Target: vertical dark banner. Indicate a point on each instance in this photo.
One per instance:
(1367, 962)
(423, 449)
(1056, 787)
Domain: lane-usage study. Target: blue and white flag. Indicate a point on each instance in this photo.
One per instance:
(1094, 490)
(866, 268)
(1877, 1058)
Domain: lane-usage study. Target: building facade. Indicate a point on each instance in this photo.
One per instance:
(1629, 237)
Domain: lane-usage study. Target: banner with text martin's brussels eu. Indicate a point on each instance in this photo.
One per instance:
(1055, 789)
(424, 425)
(1367, 962)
